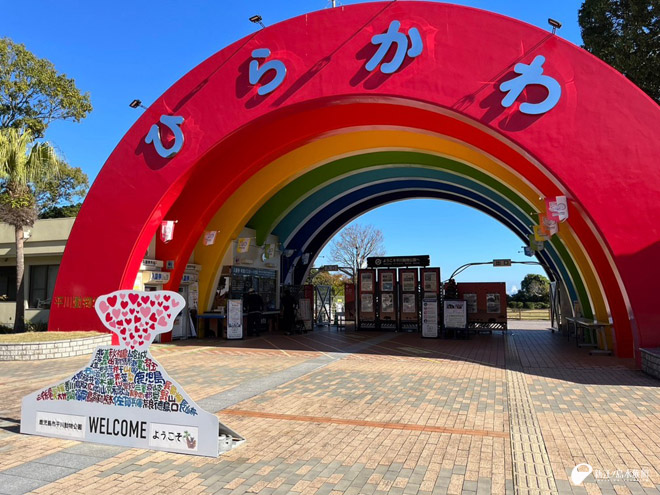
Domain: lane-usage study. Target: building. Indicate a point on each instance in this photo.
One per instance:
(44, 247)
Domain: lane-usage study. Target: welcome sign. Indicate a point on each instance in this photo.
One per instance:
(124, 396)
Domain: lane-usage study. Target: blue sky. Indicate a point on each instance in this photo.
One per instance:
(121, 50)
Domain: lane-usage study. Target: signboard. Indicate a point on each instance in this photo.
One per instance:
(408, 281)
(396, 261)
(124, 396)
(408, 303)
(234, 319)
(501, 262)
(455, 313)
(386, 281)
(430, 318)
(329, 268)
(305, 312)
(429, 281)
(366, 303)
(387, 302)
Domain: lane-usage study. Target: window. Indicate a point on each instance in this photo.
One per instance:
(42, 284)
(7, 283)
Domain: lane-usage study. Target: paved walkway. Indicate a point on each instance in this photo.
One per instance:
(370, 413)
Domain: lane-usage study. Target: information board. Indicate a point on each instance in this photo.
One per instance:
(234, 319)
(455, 313)
(430, 318)
(305, 312)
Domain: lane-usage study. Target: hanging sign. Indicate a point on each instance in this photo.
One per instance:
(167, 231)
(556, 208)
(548, 227)
(209, 237)
(243, 245)
(124, 396)
(269, 251)
(539, 236)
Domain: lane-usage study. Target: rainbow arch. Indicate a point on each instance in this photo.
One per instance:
(335, 140)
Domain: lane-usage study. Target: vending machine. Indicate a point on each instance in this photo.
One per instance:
(409, 299)
(367, 299)
(387, 312)
(431, 300)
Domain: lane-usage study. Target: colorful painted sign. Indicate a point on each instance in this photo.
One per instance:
(124, 396)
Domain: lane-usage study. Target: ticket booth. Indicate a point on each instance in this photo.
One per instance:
(367, 299)
(387, 311)
(409, 299)
(486, 305)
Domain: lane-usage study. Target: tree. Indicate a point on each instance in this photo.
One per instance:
(534, 288)
(335, 280)
(33, 93)
(29, 171)
(626, 35)
(65, 211)
(355, 244)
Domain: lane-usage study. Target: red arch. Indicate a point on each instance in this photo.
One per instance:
(597, 144)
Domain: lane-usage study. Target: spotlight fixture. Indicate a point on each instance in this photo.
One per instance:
(555, 25)
(136, 104)
(256, 19)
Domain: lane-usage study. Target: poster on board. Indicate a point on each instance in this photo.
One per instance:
(493, 304)
(387, 302)
(430, 282)
(471, 300)
(366, 282)
(408, 282)
(366, 303)
(430, 318)
(386, 281)
(455, 313)
(234, 319)
(408, 303)
(124, 396)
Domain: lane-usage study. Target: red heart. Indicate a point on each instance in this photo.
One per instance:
(108, 317)
(153, 303)
(152, 326)
(166, 297)
(131, 311)
(153, 317)
(137, 319)
(128, 321)
(139, 303)
(132, 347)
(120, 323)
(131, 336)
(169, 315)
(144, 299)
(160, 303)
(140, 342)
(122, 331)
(133, 297)
(112, 300)
(124, 304)
(166, 307)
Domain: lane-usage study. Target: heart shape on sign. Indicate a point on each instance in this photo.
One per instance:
(137, 317)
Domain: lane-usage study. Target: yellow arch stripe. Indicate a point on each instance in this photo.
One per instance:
(244, 203)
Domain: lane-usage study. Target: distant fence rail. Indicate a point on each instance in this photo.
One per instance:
(528, 314)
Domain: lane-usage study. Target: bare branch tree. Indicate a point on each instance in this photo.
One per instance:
(355, 244)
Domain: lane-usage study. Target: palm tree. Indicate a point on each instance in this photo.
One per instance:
(24, 167)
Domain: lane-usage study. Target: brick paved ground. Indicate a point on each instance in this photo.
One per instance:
(402, 415)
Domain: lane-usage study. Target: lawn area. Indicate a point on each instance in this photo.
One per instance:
(528, 314)
(34, 337)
